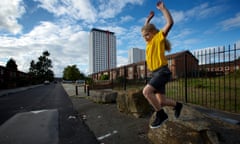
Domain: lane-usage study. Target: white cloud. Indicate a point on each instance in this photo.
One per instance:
(182, 33)
(121, 61)
(238, 44)
(204, 11)
(10, 12)
(76, 9)
(66, 45)
(231, 23)
(110, 8)
(178, 16)
(126, 19)
(199, 12)
(66, 42)
(85, 10)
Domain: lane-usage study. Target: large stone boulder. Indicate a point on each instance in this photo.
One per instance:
(193, 127)
(133, 102)
(103, 96)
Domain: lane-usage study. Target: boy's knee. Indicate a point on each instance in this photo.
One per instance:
(146, 92)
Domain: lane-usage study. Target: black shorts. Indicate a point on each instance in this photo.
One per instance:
(159, 79)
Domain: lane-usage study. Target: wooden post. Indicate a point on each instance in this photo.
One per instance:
(76, 88)
(87, 90)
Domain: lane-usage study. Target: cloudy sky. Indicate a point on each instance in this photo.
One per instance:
(29, 27)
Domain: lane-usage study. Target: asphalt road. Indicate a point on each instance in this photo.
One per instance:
(53, 107)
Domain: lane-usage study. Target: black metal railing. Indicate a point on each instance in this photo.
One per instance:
(213, 81)
(208, 77)
(216, 82)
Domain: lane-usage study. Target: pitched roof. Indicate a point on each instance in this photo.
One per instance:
(175, 55)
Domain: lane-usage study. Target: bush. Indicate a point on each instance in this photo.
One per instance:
(104, 77)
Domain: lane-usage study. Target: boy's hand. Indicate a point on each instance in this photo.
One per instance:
(150, 16)
(160, 5)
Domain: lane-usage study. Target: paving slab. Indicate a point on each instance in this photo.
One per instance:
(34, 127)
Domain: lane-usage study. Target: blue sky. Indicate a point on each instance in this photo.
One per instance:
(29, 27)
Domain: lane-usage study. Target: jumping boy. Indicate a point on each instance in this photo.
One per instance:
(156, 44)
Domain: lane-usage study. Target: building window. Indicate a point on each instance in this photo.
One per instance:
(227, 68)
(170, 62)
(1, 72)
(237, 67)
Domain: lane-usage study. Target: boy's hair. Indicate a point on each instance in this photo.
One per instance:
(167, 45)
(152, 28)
(149, 28)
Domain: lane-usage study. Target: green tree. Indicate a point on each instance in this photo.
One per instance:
(72, 73)
(104, 77)
(11, 64)
(89, 80)
(41, 70)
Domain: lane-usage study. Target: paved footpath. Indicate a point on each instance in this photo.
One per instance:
(108, 124)
(229, 117)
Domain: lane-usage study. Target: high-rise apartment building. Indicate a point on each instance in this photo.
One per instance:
(102, 50)
(136, 55)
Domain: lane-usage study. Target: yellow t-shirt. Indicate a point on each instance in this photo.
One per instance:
(155, 52)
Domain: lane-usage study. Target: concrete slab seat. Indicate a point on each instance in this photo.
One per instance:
(34, 127)
(103, 96)
(193, 127)
(133, 102)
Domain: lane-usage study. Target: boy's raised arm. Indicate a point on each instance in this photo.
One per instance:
(150, 16)
(167, 16)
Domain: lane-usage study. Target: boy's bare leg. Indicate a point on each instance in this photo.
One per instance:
(165, 101)
(148, 92)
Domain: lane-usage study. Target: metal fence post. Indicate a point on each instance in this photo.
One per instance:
(145, 72)
(125, 80)
(76, 88)
(185, 77)
(87, 90)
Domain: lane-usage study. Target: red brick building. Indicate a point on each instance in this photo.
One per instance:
(222, 67)
(12, 78)
(182, 63)
(178, 64)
